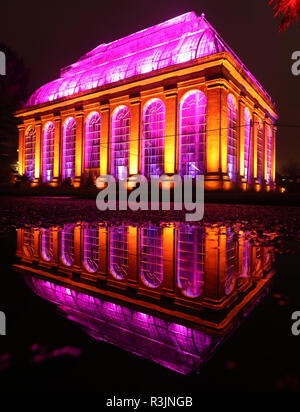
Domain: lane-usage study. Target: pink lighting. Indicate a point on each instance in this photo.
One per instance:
(269, 154)
(260, 152)
(92, 141)
(192, 137)
(69, 140)
(30, 137)
(153, 138)
(120, 142)
(232, 117)
(48, 151)
(247, 151)
(184, 38)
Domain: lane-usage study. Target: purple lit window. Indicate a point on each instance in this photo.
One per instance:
(232, 137)
(120, 142)
(269, 154)
(29, 241)
(67, 245)
(30, 152)
(260, 152)
(92, 141)
(190, 261)
(91, 248)
(48, 151)
(231, 261)
(152, 256)
(118, 252)
(247, 152)
(192, 139)
(47, 244)
(153, 138)
(69, 142)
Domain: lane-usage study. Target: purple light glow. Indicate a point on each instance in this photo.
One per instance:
(260, 152)
(48, 151)
(120, 142)
(232, 119)
(269, 154)
(30, 137)
(184, 38)
(47, 244)
(92, 141)
(154, 118)
(247, 150)
(192, 135)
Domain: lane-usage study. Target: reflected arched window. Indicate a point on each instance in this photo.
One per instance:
(247, 150)
(92, 141)
(152, 256)
(30, 152)
(153, 149)
(28, 241)
(231, 262)
(120, 142)
(69, 142)
(118, 252)
(48, 151)
(192, 139)
(232, 149)
(190, 261)
(91, 248)
(47, 244)
(269, 154)
(67, 245)
(260, 152)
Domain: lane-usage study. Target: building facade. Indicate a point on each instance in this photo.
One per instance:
(170, 99)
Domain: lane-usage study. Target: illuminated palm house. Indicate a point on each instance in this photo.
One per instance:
(170, 99)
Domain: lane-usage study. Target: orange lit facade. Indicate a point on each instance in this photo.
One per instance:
(233, 144)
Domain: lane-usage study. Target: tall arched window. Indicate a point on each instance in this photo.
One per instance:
(118, 252)
(67, 245)
(48, 151)
(120, 142)
(260, 152)
(190, 261)
(69, 142)
(91, 248)
(247, 142)
(152, 256)
(232, 137)
(269, 154)
(29, 241)
(92, 141)
(192, 139)
(153, 149)
(30, 152)
(47, 244)
(231, 262)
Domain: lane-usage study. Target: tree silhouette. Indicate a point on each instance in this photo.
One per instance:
(288, 9)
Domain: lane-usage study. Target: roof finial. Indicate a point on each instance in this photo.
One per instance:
(202, 16)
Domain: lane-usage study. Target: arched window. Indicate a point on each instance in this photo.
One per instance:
(91, 248)
(192, 139)
(92, 141)
(30, 152)
(190, 261)
(152, 256)
(153, 149)
(47, 244)
(232, 149)
(231, 263)
(69, 142)
(269, 154)
(48, 151)
(118, 252)
(247, 150)
(120, 142)
(67, 245)
(260, 152)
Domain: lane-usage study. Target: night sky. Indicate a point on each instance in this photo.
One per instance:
(53, 34)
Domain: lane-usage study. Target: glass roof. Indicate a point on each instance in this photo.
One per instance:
(181, 39)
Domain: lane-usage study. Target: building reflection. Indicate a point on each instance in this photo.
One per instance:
(168, 293)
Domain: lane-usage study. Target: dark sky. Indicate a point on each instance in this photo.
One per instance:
(53, 34)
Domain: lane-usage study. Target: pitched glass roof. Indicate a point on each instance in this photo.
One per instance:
(181, 39)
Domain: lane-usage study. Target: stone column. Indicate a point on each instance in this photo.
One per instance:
(57, 152)
(38, 154)
(21, 153)
(171, 131)
(273, 172)
(241, 134)
(254, 157)
(105, 133)
(133, 256)
(134, 142)
(169, 260)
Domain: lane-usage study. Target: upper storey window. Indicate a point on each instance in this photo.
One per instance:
(69, 142)
(48, 152)
(92, 141)
(30, 152)
(192, 139)
(247, 151)
(232, 137)
(120, 142)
